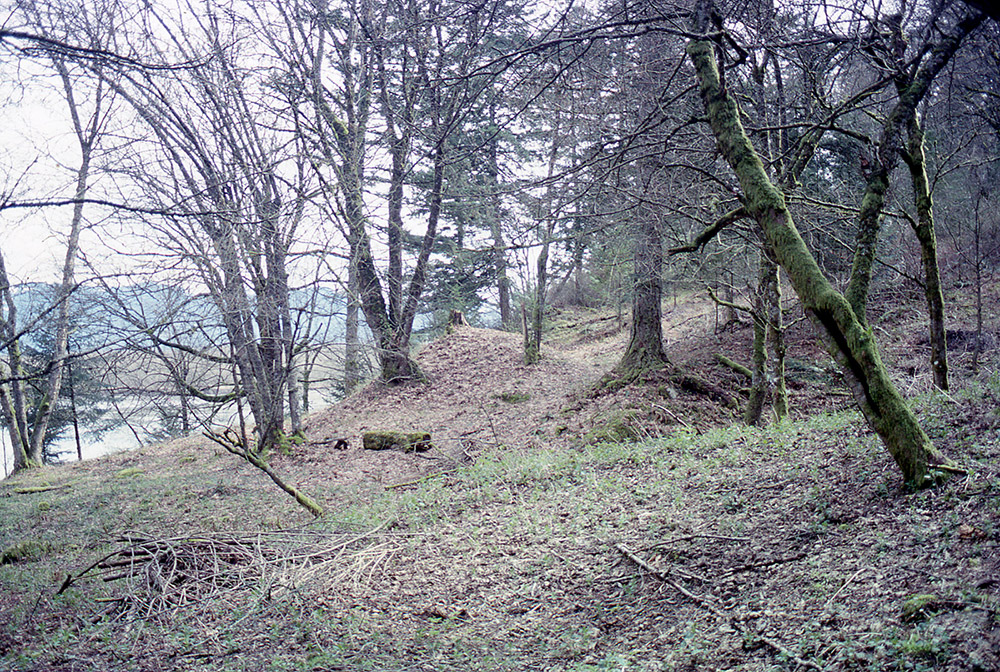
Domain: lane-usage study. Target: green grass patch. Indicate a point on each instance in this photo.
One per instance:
(514, 397)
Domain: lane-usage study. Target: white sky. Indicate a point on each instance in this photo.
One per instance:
(37, 157)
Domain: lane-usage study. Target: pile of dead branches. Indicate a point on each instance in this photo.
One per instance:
(158, 577)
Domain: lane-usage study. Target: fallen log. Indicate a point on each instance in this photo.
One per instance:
(408, 442)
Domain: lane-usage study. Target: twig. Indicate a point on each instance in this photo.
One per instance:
(489, 418)
(689, 537)
(767, 563)
(841, 589)
(700, 601)
(671, 414)
(705, 604)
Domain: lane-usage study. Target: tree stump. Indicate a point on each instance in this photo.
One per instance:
(457, 319)
(408, 442)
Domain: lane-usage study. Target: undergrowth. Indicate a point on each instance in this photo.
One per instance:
(799, 533)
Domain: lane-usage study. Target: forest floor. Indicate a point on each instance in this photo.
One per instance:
(555, 525)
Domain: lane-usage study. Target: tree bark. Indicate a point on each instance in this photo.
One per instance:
(645, 347)
(923, 227)
(850, 344)
(507, 319)
(759, 387)
(775, 336)
(533, 334)
(12, 397)
(911, 92)
(86, 137)
(351, 345)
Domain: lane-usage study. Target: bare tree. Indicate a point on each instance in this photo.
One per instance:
(88, 104)
(237, 195)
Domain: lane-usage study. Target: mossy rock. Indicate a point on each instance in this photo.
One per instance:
(617, 427)
(25, 551)
(408, 442)
(920, 607)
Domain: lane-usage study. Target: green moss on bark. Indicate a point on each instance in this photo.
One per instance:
(850, 344)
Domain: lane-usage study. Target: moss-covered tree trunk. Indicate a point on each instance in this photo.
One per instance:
(912, 85)
(869, 224)
(924, 228)
(850, 344)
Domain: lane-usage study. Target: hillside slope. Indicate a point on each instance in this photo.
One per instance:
(523, 541)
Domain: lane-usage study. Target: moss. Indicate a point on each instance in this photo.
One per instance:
(618, 427)
(287, 442)
(408, 442)
(25, 551)
(847, 340)
(532, 353)
(129, 471)
(733, 365)
(608, 384)
(919, 607)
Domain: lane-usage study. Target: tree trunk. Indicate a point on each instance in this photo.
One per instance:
(250, 348)
(394, 277)
(850, 344)
(533, 338)
(912, 90)
(351, 345)
(978, 275)
(645, 348)
(503, 282)
(924, 229)
(53, 385)
(865, 244)
(507, 318)
(775, 336)
(12, 398)
(759, 388)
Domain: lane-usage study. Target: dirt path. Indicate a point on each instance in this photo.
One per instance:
(479, 394)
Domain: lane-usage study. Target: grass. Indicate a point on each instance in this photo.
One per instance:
(513, 397)
(508, 563)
